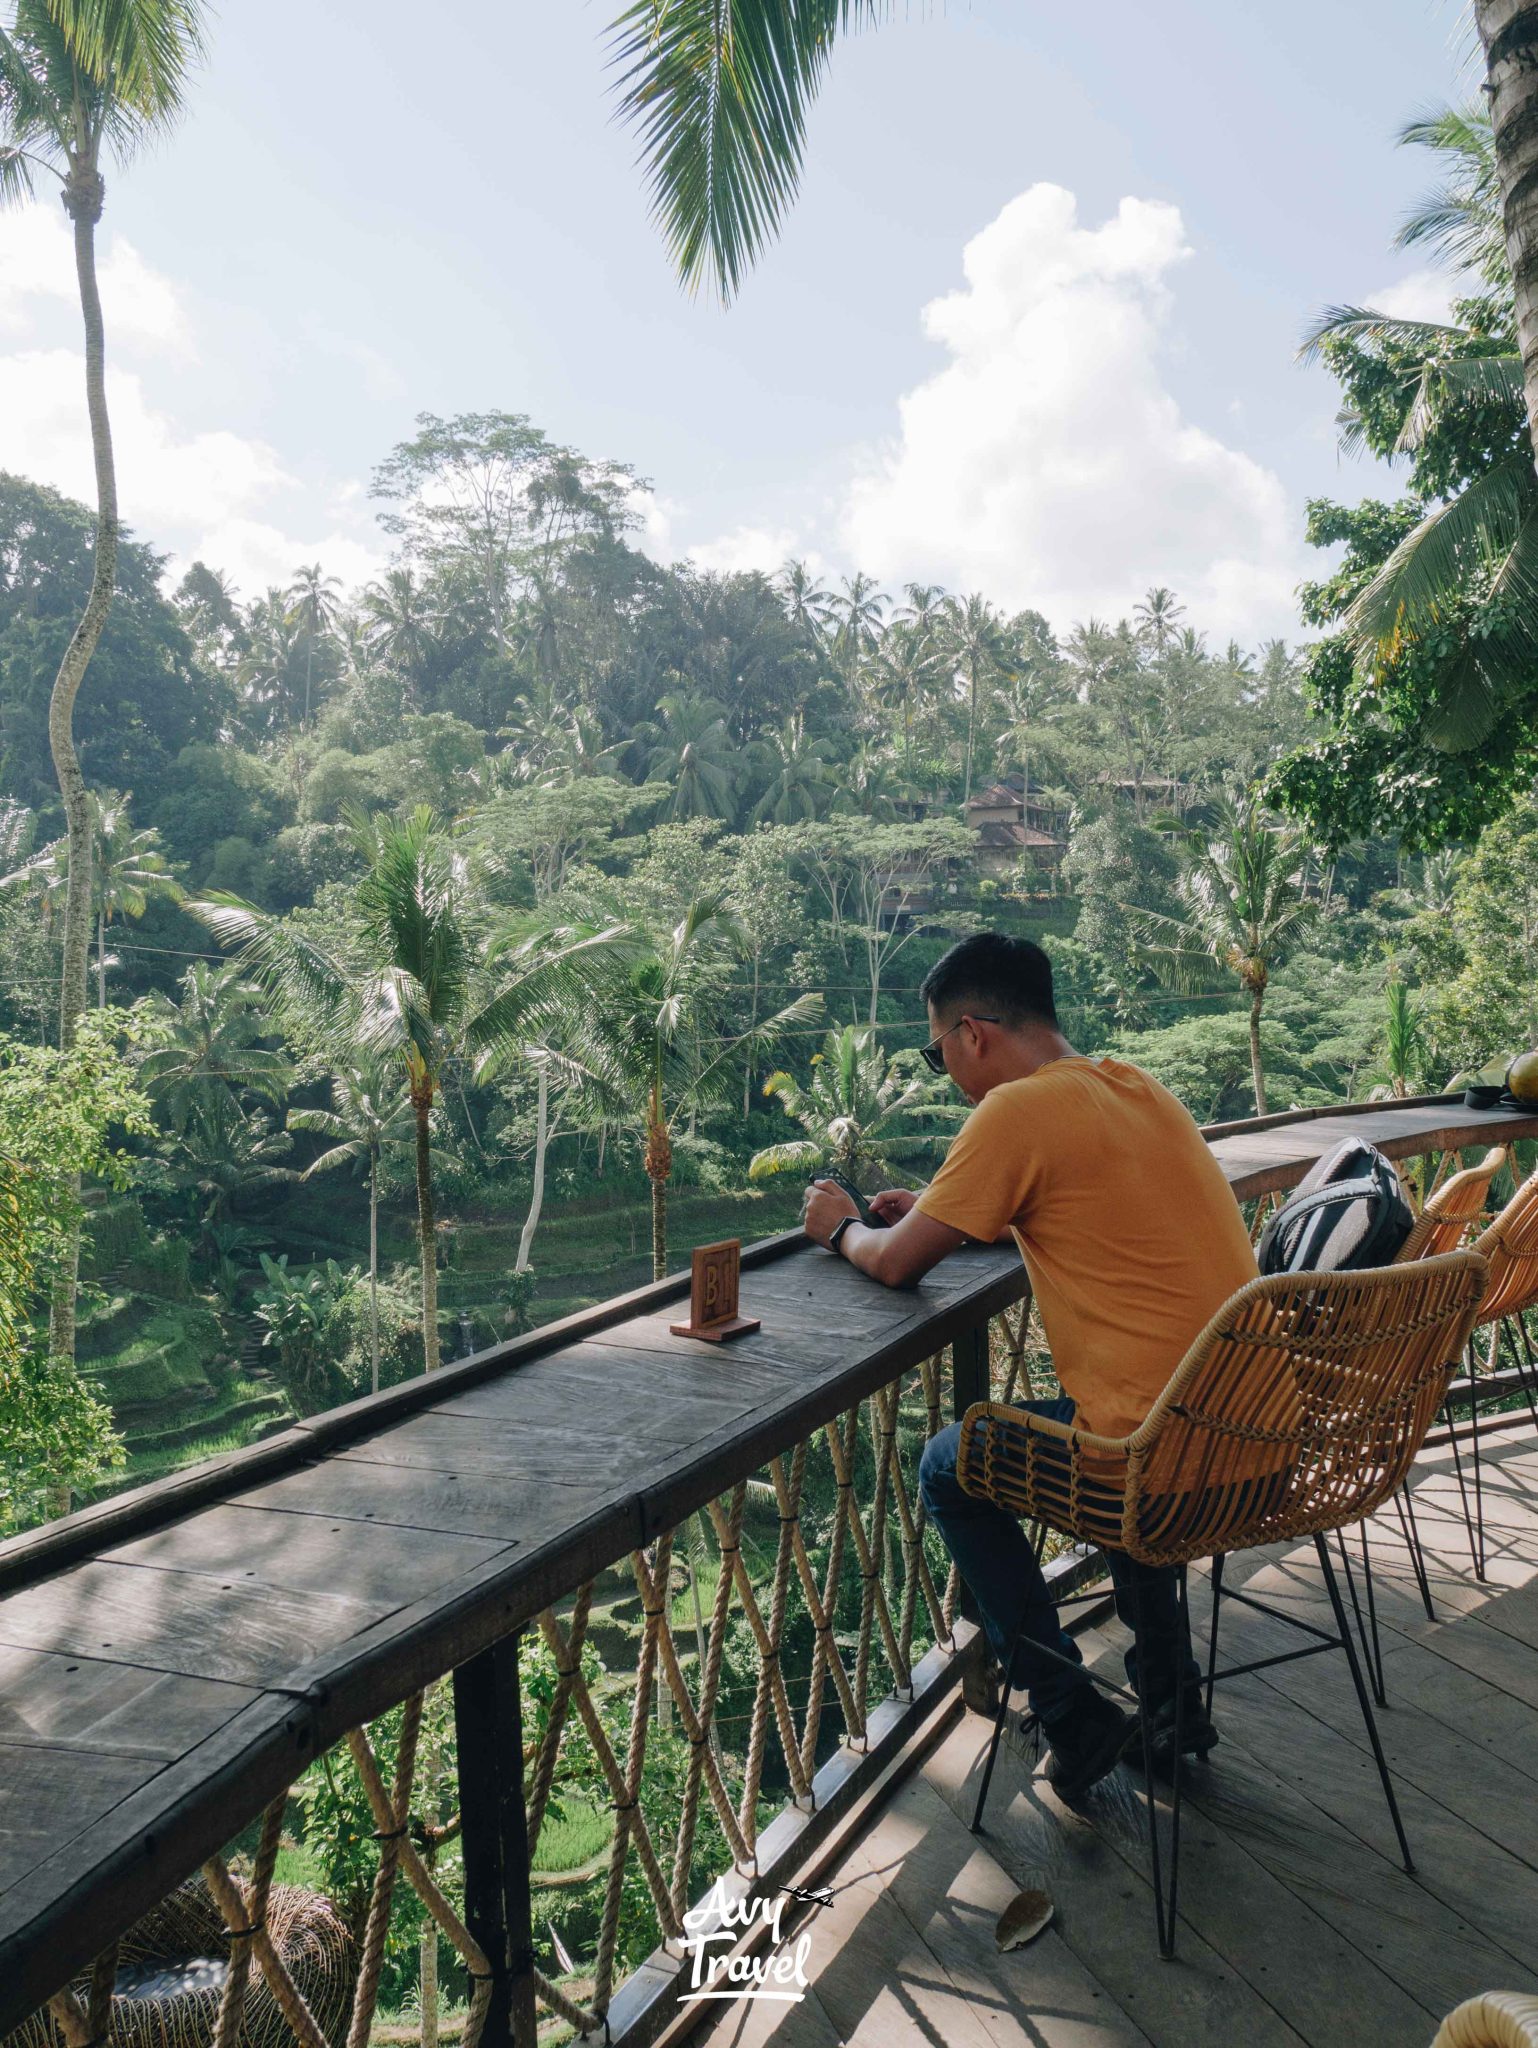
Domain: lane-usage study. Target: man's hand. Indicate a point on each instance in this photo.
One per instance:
(826, 1203)
(892, 1204)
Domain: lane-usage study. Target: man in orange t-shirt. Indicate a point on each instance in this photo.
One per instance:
(1133, 1240)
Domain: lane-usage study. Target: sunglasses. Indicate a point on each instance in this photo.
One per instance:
(934, 1059)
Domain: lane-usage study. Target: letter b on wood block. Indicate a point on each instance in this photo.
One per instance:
(714, 1275)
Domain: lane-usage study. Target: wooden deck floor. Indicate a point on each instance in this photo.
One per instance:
(1297, 1924)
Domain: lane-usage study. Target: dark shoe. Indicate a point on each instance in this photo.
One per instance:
(1085, 1744)
(1198, 1737)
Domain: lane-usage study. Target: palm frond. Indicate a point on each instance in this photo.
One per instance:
(1362, 323)
(1468, 380)
(145, 48)
(794, 1155)
(1432, 564)
(719, 93)
(292, 971)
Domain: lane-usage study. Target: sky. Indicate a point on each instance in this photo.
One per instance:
(1031, 328)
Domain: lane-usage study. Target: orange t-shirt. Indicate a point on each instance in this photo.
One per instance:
(1130, 1233)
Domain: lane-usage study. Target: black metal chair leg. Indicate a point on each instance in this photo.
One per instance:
(1343, 1629)
(1000, 1722)
(1212, 1639)
(1404, 1500)
(1479, 1485)
(1165, 1927)
(1361, 1625)
(1463, 1492)
(1167, 1947)
(1380, 1692)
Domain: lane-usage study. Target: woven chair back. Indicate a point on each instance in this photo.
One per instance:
(1510, 1246)
(1452, 1212)
(1300, 1407)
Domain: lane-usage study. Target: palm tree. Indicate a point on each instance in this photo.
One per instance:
(400, 622)
(905, 672)
(797, 783)
(1461, 217)
(806, 602)
(855, 1109)
(266, 670)
(211, 1042)
(720, 95)
(425, 989)
(369, 1113)
(1508, 34)
(128, 870)
(222, 1150)
(1158, 614)
(975, 643)
(692, 750)
(314, 606)
(652, 1048)
(1244, 910)
(859, 610)
(1482, 540)
(81, 80)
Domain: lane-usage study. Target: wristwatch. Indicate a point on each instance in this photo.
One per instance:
(836, 1236)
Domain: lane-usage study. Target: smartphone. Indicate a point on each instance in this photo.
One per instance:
(867, 1215)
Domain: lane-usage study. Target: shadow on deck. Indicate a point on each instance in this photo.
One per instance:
(1297, 1923)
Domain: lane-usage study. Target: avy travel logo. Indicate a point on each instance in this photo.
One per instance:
(719, 1923)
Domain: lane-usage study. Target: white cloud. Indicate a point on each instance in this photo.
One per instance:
(37, 262)
(193, 491)
(1422, 295)
(1047, 463)
(747, 547)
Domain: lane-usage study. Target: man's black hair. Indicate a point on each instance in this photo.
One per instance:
(993, 975)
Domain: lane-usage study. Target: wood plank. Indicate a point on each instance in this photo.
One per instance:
(951, 1892)
(590, 1385)
(1104, 1906)
(582, 1448)
(49, 1796)
(180, 1621)
(82, 1702)
(241, 1546)
(504, 1509)
(758, 2022)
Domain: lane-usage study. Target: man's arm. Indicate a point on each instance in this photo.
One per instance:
(897, 1257)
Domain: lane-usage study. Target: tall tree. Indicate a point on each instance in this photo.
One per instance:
(653, 1047)
(82, 80)
(369, 1114)
(428, 987)
(975, 643)
(1243, 911)
(316, 606)
(1508, 32)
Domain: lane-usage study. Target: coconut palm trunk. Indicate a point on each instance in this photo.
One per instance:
(422, 1109)
(84, 192)
(373, 1268)
(1257, 1072)
(659, 1165)
(101, 962)
(1508, 30)
(537, 1188)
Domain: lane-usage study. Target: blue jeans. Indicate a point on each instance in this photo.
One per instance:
(995, 1558)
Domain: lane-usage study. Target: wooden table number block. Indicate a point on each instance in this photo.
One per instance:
(714, 1273)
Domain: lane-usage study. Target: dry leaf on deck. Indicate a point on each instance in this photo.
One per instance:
(1023, 1919)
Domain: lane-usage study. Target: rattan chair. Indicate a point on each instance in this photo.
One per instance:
(1495, 2019)
(1510, 1248)
(1452, 1214)
(1297, 1410)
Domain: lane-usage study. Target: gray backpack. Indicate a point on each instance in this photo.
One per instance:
(1347, 1212)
